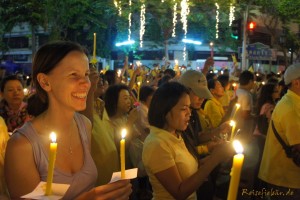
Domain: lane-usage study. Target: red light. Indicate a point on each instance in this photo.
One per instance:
(251, 25)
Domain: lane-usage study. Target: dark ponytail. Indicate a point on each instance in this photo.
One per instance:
(35, 105)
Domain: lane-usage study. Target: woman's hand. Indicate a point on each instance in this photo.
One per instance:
(223, 151)
(94, 78)
(112, 191)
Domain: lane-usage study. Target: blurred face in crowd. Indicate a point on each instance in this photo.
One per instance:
(178, 117)
(100, 88)
(276, 93)
(13, 93)
(124, 102)
(218, 91)
(196, 101)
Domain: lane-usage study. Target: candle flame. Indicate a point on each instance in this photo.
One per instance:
(233, 84)
(139, 83)
(53, 137)
(25, 90)
(232, 123)
(238, 146)
(237, 105)
(123, 133)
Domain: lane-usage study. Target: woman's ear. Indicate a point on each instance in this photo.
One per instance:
(43, 81)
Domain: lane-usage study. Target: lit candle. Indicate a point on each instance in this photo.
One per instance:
(119, 73)
(236, 169)
(236, 108)
(234, 86)
(26, 91)
(94, 49)
(122, 152)
(138, 90)
(51, 163)
(232, 124)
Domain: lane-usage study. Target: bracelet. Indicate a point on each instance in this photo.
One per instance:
(202, 149)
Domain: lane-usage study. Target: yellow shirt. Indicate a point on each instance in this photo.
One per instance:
(275, 167)
(215, 112)
(163, 150)
(3, 141)
(204, 120)
(104, 151)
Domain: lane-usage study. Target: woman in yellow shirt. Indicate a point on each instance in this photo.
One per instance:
(213, 107)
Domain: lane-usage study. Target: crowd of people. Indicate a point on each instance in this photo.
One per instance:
(178, 129)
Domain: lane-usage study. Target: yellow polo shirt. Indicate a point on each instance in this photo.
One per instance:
(204, 120)
(161, 151)
(103, 148)
(215, 112)
(275, 167)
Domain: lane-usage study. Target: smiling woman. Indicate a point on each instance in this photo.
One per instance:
(61, 78)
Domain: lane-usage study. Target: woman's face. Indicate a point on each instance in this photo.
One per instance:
(124, 102)
(13, 92)
(69, 82)
(178, 117)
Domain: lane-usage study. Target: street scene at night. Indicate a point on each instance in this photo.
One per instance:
(150, 99)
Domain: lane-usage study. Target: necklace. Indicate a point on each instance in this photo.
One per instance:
(68, 149)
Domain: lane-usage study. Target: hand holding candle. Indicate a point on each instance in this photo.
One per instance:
(94, 47)
(122, 152)
(236, 108)
(236, 169)
(94, 60)
(138, 90)
(51, 163)
(233, 125)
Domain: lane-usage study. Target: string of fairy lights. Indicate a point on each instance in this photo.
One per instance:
(174, 19)
(217, 20)
(129, 21)
(231, 14)
(184, 12)
(142, 23)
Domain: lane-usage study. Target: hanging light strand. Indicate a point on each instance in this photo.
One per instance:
(231, 13)
(142, 23)
(129, 22)
(217, 20)
(129, 26)
(120, 8)
(184, 14)
(174, 19)
(116, 3)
